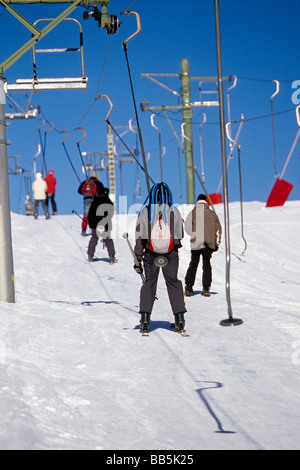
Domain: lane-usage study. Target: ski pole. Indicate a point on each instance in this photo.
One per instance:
(74, 212)
(136, 261)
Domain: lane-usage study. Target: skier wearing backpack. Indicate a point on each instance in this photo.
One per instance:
(204, 227)
(99, 219)
(159, 230)
(88, 189)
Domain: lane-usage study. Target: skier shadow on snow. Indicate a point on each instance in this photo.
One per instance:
(209, 407)
(198, 292)
(105, 260)
(155, 325)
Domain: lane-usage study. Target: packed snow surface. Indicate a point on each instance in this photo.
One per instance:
(76, 372)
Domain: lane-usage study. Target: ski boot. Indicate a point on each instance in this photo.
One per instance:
(205, 291)
(113, 259)
(90, 258)
(179, 322)
(145, 322)
(188, 290)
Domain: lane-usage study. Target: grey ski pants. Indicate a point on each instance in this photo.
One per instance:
(108, 242)
(44, 206)
(174, 285)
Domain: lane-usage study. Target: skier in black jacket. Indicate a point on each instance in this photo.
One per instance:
(100, 221)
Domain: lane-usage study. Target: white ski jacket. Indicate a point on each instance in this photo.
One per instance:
(39, 188)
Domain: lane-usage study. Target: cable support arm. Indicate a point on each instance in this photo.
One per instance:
(201, 145)
(273, 125)
(232, 149)
(228, 99)
(240, 180)
(110, 103)
(277, 89)
(84, 134)
(68, 136)
(294, 143)
(138, 24)
(228, 135)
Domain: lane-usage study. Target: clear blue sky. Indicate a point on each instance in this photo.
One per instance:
(260, 43)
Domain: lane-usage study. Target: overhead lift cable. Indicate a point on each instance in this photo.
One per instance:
(81, 157)
(68, 156)
(138, 21)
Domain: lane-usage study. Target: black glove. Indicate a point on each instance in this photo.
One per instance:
(138, 268)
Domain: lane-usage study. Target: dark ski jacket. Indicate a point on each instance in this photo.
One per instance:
(204, 227)
(101, 210)
(93, 181)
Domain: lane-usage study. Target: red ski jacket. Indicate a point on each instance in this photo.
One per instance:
(51, 182)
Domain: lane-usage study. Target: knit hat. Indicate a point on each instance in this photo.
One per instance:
(201, 197)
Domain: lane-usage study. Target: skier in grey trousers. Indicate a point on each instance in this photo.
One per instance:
(150, 251)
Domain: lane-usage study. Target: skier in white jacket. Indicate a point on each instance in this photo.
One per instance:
(39, 188)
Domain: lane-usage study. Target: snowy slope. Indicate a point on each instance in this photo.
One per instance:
(77, 374)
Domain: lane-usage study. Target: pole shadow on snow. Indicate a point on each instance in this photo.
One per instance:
(89, 303)
(209, 407)
(86, 303)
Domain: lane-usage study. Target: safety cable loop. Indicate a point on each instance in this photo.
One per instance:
(138, 24)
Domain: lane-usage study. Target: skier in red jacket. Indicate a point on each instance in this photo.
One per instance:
(51, 188)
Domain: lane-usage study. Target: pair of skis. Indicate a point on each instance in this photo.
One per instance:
(182, 333)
